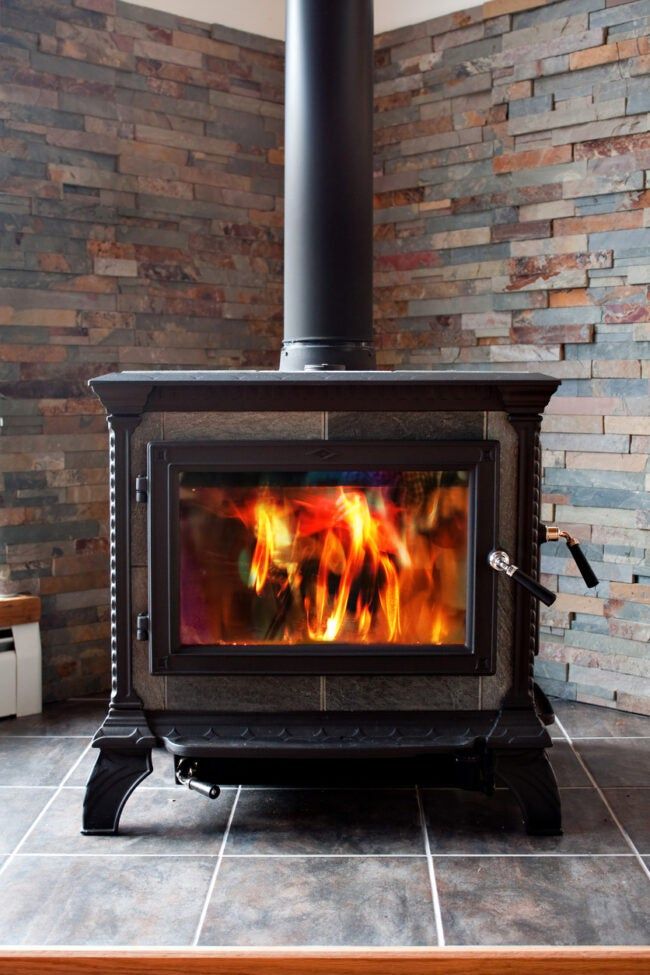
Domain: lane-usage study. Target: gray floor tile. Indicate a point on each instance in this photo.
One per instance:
(617, 762)
(543, 900)
(632, 806)
(153, 821)
(568, 770)
(38, 761)
(321, 901)
(18, 810)
(102, 900)
(588, 721)
(68, 718)
(468, 822)
(326, 821)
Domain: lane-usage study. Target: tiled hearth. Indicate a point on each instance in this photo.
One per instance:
(267, 866)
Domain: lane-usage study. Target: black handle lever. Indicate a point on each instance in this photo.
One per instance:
(539, 592)
(551, 533)
(500, 562)
(186, 775)
(580, 559)
(206, 789)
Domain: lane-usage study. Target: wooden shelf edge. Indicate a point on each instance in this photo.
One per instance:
(408, 961)
(16, 610)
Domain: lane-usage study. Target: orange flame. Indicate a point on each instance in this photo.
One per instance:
(343, 564)
(439, 629)
(263, 549)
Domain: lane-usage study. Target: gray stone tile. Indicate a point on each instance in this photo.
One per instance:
(69, 718)
(554, 729)
(588, 721)
(245, 693)
(333, 821)
(102, 900)
(321, 901)
(153, 821)
(622, 762)
(38, 761)
(469, 822)
(18, 810)
(396, 426)
(568, 770)
(387, 692)
(242, 426)
(632, 806)
(543, 900)
(161, 777)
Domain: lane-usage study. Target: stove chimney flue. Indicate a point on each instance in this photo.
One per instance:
(328, 186)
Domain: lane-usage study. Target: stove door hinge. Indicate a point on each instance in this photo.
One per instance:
(142, 489)
(142, 626)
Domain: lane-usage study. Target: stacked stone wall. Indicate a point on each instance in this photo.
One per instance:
(141, 225)
(513, 232)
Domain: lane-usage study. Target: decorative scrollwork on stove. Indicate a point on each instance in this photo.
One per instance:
(120, 430)
(527, 427)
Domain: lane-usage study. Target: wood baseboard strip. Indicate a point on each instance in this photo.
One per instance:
(414, 961)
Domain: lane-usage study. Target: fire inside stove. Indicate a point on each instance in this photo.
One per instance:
(329, 557)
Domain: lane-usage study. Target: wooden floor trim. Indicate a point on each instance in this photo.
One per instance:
(410, 961)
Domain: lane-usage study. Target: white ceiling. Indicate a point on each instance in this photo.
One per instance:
(267, 16)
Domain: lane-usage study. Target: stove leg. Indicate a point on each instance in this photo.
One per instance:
(112, 780)
(528, 773)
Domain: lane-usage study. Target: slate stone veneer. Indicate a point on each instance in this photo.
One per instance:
(141, 213)
(341, 692)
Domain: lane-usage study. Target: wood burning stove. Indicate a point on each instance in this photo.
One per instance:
(441, 469)
(326, 572)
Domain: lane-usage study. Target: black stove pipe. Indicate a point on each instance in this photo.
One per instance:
(328, 186)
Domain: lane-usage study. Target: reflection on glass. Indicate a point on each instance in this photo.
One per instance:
(323, 558)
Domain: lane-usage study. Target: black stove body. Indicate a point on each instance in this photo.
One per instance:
(461, 712)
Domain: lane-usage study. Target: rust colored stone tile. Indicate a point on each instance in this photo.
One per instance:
(597, 223)
(495, 8)
(205, 45)
(592, 56)
(521, 231)
(569, 299)
(552, 334)
(532, 159)
(612, 146)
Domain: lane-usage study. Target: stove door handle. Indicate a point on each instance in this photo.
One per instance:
(500, 562)
(539, 592)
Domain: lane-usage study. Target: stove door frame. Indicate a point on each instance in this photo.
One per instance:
(165, 461)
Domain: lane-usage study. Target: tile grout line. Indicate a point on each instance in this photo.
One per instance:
(215, 872)
(626, 836)
(608, 737)
(437, 913)
(329, 856)
(45, 808)
(11, 737)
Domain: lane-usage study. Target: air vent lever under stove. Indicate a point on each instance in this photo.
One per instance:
(500, 562)
(186, 774)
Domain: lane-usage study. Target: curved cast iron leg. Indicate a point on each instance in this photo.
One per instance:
(529, 774)
(112, 780)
